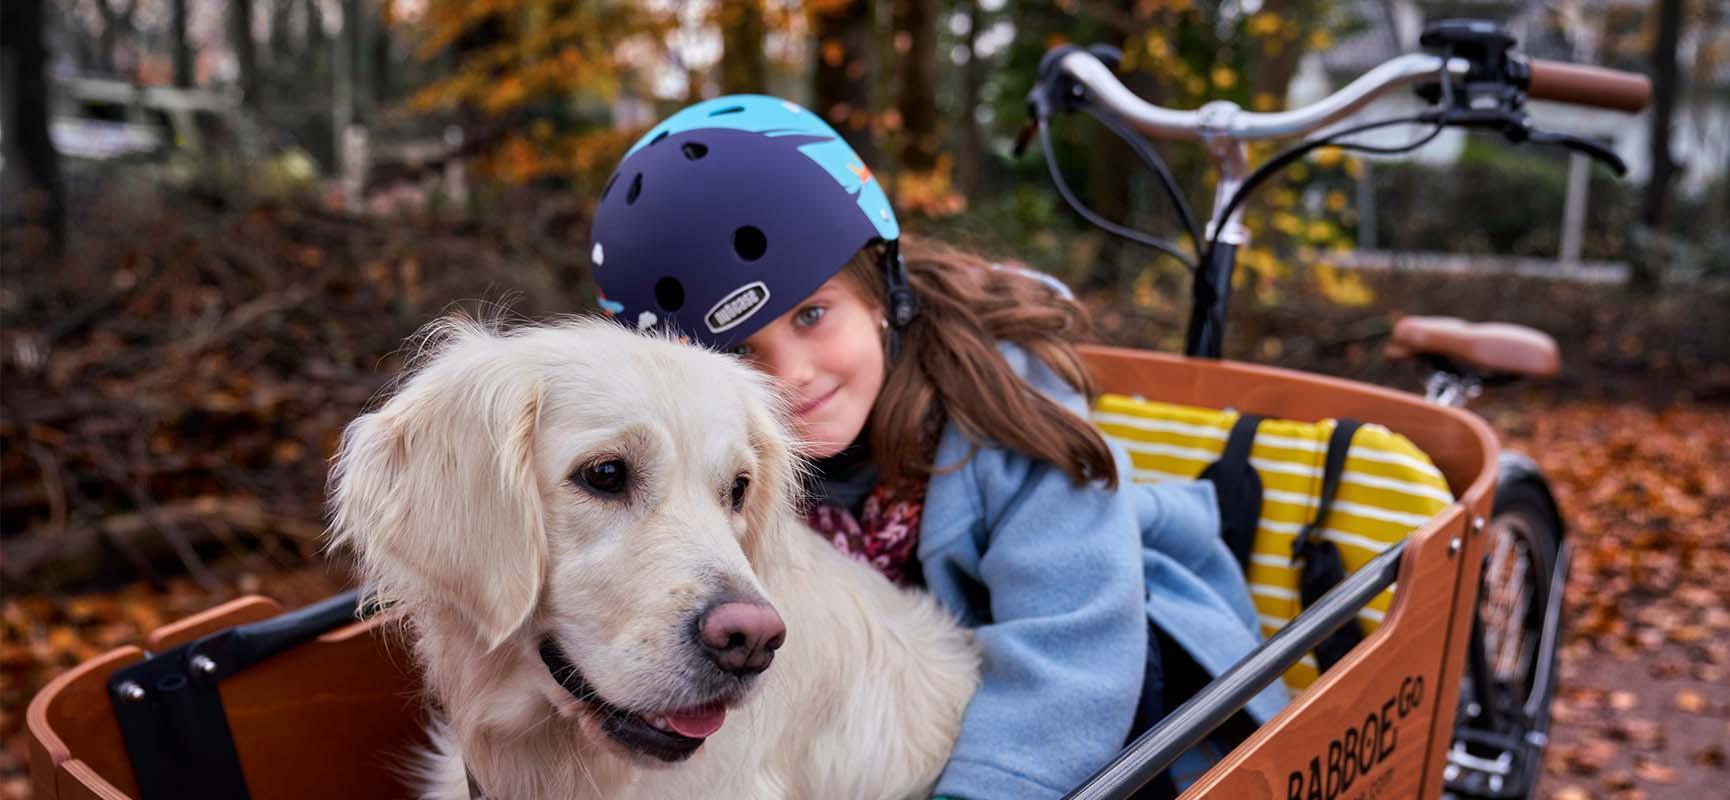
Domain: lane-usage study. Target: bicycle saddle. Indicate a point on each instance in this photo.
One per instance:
(1492, 348)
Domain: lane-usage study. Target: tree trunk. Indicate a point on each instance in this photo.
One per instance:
(312, 47)
(32, 173)
(744, 65)
(245, 50)
(845, 72)
(357, 24)
(281, 42)
(183, 68)
(970, 148)
(114, 23)
(1665, 77)
(915, 27)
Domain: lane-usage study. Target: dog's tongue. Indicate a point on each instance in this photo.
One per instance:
(699, 722)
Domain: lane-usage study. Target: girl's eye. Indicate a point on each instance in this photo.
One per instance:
(809, 315)
(740, 484)
(741, 350)
(609, 477)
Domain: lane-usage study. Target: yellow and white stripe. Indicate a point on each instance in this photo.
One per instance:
(1388, 488)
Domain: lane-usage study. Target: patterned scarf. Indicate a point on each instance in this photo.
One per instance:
(885, 535)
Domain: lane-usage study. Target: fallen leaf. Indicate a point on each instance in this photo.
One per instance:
(1618, 780)
(1592, 755)
(1691, 701)
(1653, 772)
(1623, 700)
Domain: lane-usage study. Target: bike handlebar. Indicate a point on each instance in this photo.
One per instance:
(1226, 119)
(1585, 85)
(1546, 80)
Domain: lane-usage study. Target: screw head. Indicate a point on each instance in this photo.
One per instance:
(1453, 546)
(1477, 525)
(130, 691)
(202, 665)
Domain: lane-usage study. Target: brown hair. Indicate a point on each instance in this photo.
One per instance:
(950, 369)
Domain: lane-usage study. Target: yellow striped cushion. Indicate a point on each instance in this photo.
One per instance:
(1388, 489)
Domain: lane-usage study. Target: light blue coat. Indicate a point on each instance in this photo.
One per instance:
(1059, 582)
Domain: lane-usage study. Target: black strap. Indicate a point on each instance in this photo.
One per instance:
(1237, 489)
(1321, 568)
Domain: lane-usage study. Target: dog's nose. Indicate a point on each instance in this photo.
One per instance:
(742, 637)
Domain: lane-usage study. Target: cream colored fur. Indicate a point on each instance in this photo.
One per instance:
(455, 498)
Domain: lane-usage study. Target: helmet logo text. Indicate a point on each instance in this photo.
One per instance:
(737, 307)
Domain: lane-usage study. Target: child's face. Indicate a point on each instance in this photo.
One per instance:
(828, 355)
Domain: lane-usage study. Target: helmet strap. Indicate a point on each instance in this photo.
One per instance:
(898, 295)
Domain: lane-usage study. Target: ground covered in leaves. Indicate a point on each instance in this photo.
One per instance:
(169, 395)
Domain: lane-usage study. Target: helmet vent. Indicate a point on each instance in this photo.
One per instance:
(750, 243)
(636, 189)
(670, 294)
(659, 137)
(694, 150)
(728, 110)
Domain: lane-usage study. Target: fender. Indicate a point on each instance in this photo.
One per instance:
(1516, 467)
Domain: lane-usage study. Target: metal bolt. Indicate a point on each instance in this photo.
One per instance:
(1477, 525)
(202, 665)
(1453, 546)
(130, 691)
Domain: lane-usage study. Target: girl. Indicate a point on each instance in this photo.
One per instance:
(944, 406)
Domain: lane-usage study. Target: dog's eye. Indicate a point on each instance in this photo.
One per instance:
(740, 484)
(605, 477)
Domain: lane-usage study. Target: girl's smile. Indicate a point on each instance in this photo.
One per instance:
(827, 354)
(806, 407)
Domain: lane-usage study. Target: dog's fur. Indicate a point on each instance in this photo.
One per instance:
(457, 497)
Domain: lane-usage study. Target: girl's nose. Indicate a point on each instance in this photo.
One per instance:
(789, 365)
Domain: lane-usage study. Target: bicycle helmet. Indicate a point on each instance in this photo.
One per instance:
(730, 212)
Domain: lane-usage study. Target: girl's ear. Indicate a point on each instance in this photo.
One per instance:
(436, 492)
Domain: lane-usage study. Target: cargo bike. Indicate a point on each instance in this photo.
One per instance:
(1408, 572)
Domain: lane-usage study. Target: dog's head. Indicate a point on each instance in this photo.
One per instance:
(587, 496)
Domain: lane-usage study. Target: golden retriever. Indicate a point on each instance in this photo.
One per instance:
(590, 535)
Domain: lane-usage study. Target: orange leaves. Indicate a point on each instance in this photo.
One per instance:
(1644, 698)
(930, 193)
(518, 58)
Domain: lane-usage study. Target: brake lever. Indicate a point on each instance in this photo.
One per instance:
(1580, 145)
(1053, 90)
(1518, 128)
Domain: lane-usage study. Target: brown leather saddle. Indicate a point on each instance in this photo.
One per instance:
(1490, 348)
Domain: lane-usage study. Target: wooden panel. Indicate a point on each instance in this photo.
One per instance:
(70, 719)
(1368, 728)
(331, 719)
(1379, 723)
(239, 611)
(77, 781)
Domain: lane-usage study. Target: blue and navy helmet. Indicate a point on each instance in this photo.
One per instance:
(729, 213)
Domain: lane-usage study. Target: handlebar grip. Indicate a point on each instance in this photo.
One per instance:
(1588, 86)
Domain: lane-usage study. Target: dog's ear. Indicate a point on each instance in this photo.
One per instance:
(777, 486)
(436, 492)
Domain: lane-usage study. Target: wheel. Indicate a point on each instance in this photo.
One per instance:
(1497, 750)
(1519, 559)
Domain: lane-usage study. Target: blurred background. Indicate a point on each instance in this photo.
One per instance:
(219, 220)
